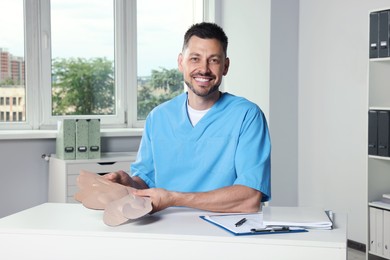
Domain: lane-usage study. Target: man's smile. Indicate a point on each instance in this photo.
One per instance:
(202, 79)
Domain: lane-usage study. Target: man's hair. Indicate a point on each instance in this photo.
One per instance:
(206, 30)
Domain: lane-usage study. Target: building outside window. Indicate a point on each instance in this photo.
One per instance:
(11, 58)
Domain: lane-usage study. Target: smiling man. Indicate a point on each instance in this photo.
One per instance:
(203, 149)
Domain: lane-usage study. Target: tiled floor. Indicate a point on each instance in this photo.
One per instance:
(355, 255)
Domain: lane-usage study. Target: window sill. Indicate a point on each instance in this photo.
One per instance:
(51, 134)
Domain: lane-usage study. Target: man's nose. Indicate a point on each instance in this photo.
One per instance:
(204, 67)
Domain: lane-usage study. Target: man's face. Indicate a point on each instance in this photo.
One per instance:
(203, 63)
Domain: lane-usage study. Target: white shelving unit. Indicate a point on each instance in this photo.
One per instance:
(378, 167)
(63, 173)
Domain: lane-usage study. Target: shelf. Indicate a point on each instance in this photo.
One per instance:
(379, 108)
(380, 59)
(381, 256)
(379, 157)
(378, 167)
(379, 91)
(380, 204)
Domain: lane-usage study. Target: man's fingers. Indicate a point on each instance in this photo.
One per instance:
(112, 176)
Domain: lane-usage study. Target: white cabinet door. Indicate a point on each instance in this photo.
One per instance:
(386, 234)
(379, 231)
(373, 230)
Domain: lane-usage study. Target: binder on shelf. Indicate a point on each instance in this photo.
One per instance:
(66, 139)
(94, 139)
(82, 139)
(383, 34)
(373, 132)
(374, 35)
(383, 133)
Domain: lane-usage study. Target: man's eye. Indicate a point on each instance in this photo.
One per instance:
(214, 61)
(194, 59)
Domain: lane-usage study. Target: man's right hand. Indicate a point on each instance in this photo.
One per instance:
(124, 178)
(120, 177)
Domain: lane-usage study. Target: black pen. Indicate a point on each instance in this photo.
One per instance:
(275, 229)
(239, 223)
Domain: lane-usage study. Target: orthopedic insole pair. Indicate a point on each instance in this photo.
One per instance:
(117, 201)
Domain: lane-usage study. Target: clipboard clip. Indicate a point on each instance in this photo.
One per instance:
(271, 229)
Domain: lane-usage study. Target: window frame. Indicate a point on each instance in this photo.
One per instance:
(37, 58)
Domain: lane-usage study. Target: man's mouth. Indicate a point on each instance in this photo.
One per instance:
(202, 79)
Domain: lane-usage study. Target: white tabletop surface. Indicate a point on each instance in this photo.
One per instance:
(172, 223)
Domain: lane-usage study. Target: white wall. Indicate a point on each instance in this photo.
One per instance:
(283, 120)
(333, 60)
(247, 25)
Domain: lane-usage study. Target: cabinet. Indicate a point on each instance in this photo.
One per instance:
(379, 236)
(378, 167)
(63, 173)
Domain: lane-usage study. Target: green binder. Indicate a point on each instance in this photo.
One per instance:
(66, 139)
(82, 139)
(94, 139)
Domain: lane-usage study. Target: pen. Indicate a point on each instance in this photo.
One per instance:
(239, 223)
(274, 229)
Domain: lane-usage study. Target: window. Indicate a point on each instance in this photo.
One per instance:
(157, 73)
(93, 59)
(11, 55)
(82, 51)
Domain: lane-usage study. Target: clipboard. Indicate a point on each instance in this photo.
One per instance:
(253, 224)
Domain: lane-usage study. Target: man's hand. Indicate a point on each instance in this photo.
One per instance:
(120, 177)
(125, 179)
(161, 198)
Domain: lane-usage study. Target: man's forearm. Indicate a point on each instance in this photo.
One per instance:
(236, 198)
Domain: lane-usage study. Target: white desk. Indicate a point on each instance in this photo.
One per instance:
(70, 231)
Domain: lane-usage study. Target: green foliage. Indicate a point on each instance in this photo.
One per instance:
(169, 80)
(8, 82)
(83, 87)
(86, 87)
(164, 84)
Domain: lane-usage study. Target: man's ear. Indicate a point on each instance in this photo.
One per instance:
(226, 68)
(179, 62)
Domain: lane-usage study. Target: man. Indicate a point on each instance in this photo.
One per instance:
(203, 149)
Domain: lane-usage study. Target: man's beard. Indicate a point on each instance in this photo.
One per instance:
(202, 94)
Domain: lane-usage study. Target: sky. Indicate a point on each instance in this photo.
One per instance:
(11, 26)
(88, 30)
